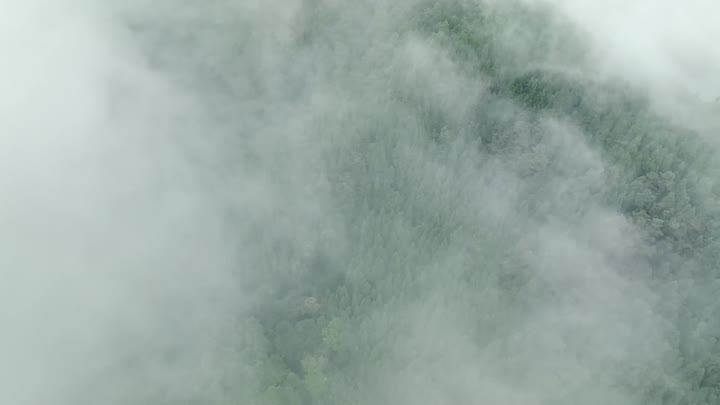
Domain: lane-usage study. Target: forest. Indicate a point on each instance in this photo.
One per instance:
(427, 202)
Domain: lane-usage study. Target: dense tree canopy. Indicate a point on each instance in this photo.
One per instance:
(460, 213)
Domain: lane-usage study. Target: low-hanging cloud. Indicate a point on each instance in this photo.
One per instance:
(306, 202)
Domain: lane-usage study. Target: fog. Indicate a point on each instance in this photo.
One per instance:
(667, 48)
(667, 45)
(315, 202)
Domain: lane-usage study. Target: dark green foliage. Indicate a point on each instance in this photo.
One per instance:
(404, 177)
(657, 177)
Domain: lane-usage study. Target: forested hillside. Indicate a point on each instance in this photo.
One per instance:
(412, 202)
